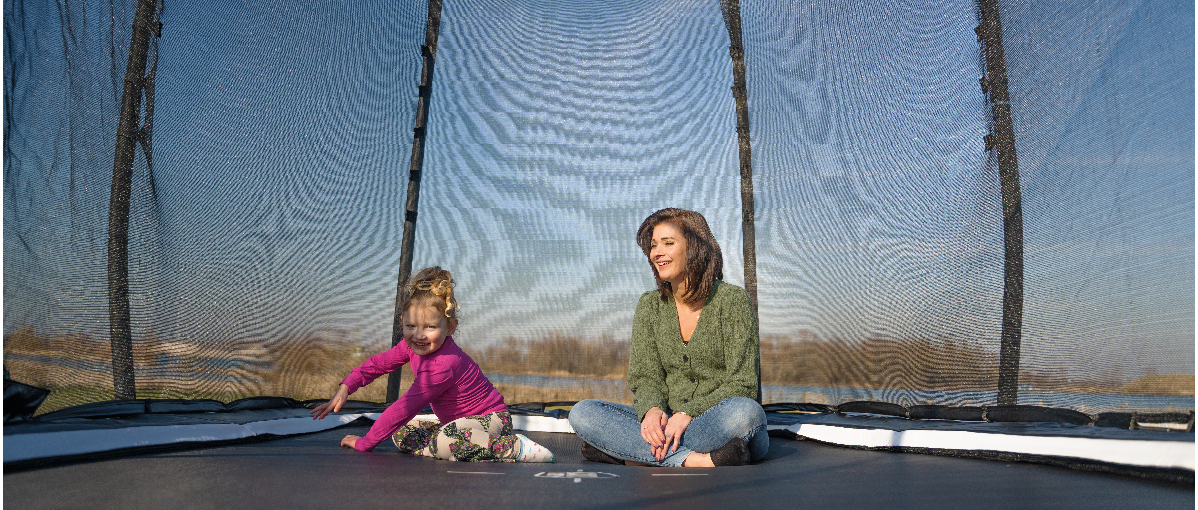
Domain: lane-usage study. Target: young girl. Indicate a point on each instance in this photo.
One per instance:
(474, 422)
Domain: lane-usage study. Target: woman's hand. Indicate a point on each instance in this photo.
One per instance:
(652, 431)
(350, 441)
(333, 405)
(675, 426)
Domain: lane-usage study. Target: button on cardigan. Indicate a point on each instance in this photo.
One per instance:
(719, 362)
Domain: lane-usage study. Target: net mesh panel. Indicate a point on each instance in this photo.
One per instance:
(1102, 97)
(264, 243)
(879, 224)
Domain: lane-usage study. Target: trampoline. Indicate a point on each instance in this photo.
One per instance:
(308, 469)
(966, 228)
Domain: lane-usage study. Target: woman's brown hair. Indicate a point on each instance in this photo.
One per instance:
(704, 260)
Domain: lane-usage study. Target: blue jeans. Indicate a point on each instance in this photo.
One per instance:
(613, 429)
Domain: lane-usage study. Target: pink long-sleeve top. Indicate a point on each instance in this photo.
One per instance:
(447, 379)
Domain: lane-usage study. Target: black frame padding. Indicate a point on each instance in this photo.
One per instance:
(118, 408)
(21, 400)
(930, 412)
(870, 407)
(541, 406)
(806, 407)
(520, 410)
(254, 403)
(1132, 421)
(1001, 414)
(1020, 414)
(349, 405)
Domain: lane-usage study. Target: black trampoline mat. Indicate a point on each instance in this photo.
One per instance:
(311, 471)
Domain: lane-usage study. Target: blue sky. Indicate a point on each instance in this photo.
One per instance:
(283, 135)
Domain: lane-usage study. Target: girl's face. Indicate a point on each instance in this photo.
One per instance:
(667, 251)
(425, 329)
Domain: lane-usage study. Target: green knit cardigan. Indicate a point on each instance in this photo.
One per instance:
(719, 362)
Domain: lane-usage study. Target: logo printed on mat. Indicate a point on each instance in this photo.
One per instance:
(576, 475)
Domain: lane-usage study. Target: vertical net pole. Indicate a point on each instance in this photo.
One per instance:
(1002, 138)
(429, 51)
(731, 11)
(128, 135)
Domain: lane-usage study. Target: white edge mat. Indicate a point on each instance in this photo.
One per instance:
(18, 447)
(1158, 454)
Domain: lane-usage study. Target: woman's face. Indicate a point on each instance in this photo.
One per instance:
(667, 251)
(425, 329)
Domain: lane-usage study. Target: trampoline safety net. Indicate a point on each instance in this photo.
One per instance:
(271, 147)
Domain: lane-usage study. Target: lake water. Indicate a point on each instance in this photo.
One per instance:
(1091, 403)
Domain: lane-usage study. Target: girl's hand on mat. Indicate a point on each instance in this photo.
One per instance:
(333, 405)
(674, 429)
(652, 427)
(349, 441)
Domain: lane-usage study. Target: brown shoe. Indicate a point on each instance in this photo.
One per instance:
(596, 455)
(733, 453)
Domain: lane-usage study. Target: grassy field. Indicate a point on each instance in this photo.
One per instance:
(516, 394)
(556, 355)
(77, 369)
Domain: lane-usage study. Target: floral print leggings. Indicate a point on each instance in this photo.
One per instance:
(483, 438)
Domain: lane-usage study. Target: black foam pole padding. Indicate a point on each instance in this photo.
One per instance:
(740, 96)
(119, 316)
(990, 30)
(408, 240)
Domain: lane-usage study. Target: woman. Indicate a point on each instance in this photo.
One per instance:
(693, 366)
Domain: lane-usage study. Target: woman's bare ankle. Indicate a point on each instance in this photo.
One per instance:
(696, 459)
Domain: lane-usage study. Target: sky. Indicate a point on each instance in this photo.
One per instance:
(283, 132)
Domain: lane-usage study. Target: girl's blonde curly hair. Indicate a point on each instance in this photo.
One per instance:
(433, 287)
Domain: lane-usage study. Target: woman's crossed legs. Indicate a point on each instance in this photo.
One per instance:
(613, 429)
